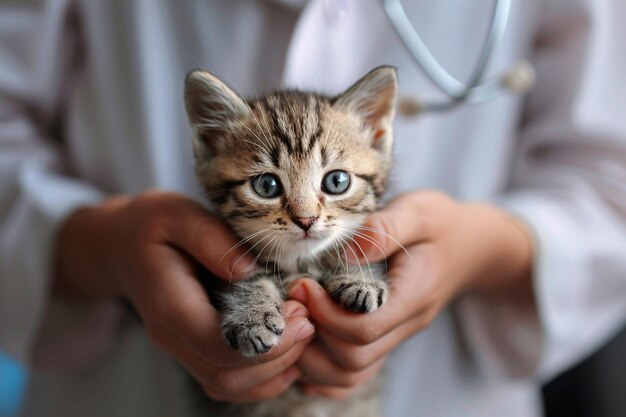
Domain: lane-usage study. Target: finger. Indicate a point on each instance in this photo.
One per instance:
(244, 378)
(356, 358)
(210, 241)
(266, 391)
(356, 328)
(329, 392)
(237, 384)
(228, 380)
(181, 304)
(318, 369)
(398, 225)
(169, 342)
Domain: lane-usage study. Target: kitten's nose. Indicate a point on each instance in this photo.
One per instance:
(304, 223)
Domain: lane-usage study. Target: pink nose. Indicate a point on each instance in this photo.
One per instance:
(305, 223)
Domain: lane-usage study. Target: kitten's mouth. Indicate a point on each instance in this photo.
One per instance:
(306, 244)
(309, 236)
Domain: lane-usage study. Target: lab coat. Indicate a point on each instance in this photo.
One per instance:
(91, 105)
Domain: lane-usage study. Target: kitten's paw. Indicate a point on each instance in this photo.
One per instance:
(358, 296)
(254, 331)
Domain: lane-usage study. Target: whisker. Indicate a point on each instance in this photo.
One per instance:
(267, 125)
(241, 257)
(256, 258)
(390, 237)
(269, 256)
(276, 267)
(369, 267)
(376, 245)
(339, 261)
(263, 131)
(261, 143)
(263, 248)
(241, 242)
(349, 247)
(368, 239)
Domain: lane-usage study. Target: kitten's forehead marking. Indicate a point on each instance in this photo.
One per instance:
(296, 121)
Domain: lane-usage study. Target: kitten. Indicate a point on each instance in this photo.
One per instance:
(294, 174)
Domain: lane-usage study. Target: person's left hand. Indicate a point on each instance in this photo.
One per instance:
(436, 248)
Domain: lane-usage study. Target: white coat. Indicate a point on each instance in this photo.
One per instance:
(91, 105)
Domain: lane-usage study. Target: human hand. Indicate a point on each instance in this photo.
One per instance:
(436, 248)
(145, 250)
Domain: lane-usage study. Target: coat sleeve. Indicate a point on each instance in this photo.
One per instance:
(569, 186)
(38, 58)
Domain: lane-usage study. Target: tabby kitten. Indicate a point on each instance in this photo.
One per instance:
(294, 174)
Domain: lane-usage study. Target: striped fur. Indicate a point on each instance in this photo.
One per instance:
(299, 137)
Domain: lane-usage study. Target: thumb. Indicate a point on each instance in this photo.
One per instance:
(385, 232)
(325, 312)
(322, 309)
(208, 240)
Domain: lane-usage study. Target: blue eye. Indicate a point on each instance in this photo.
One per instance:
(266, 185)
(336, 182)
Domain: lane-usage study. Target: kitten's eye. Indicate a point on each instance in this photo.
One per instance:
(266, 185)
(336, 182)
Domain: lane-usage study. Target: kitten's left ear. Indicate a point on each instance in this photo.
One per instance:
(211, 104)
(373, 99)
(213, 108)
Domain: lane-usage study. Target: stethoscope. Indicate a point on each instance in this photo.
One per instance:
(519, 79)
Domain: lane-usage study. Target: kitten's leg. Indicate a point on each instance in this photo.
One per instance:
(251, 318)
(362, 290)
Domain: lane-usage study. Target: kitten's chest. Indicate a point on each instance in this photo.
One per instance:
(286, 272)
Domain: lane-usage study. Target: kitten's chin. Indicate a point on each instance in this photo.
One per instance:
(306, 248)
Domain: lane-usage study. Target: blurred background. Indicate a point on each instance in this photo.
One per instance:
(12, 383)
(594, 388)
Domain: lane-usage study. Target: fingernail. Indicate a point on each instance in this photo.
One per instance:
(305, 331)
(298, 293)
(299, 312)
(295, 310)
(243, 267)
(291, 375)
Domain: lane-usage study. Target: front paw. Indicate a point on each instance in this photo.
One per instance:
(254, 331)
(358, 296)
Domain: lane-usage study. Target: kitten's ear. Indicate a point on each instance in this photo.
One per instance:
(211, 104)
(373, 98)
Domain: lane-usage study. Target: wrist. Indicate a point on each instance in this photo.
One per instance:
(82, 246)
(506, 252)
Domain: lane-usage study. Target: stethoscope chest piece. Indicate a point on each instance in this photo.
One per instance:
(409, 106)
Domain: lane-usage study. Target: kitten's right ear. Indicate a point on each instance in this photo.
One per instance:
(373, 100)
(211, 104)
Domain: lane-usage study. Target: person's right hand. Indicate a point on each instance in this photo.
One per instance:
(143, 249)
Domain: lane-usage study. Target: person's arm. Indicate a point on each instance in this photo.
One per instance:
(569, 186)
(69, 254)
(146, 250)
(539, 272)
(436, 249)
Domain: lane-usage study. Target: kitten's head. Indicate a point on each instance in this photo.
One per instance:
(295, 172)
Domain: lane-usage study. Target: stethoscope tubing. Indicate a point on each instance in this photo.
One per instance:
(477, 90)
